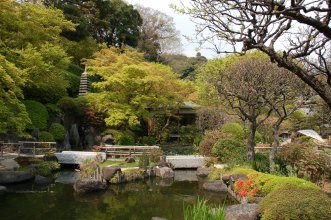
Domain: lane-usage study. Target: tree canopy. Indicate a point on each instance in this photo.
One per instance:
(289, 32)
(130, 88)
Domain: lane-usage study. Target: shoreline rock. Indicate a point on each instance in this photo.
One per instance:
(247, 211)
(215, 186)
(9, 177)
(89, 186)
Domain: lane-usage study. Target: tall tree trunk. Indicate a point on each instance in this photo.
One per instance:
(251, 142)
(275, 145)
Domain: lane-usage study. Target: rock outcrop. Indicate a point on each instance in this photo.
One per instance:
(109, 172)
(164, 172)
(204, 171)
(89, 186)
(242, 212)
(215, 186)
(9, 177)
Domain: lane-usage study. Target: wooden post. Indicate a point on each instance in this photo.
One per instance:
(19, 148)
(34, 149)
(1, 150)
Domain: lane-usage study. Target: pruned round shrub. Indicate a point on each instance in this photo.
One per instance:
(46, 168)
(46, 136)
(37, 113)
(278, 182)
(295, 203)
(58, 131)
(229, 150)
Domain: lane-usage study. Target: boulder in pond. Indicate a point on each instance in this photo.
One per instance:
(9, 177)
(3, 190)
(89, 186)
(158, 218)
(215, 186)
(204, 171)
(248, 211)
(40, 180)
(163, 164)
(109, 172)
(164, 172)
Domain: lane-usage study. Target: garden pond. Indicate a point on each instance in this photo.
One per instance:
(132, 201)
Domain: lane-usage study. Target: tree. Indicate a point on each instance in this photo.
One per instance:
(13, 117)
(113, 22)
(158, 34)
(130, 89)
(289, 32)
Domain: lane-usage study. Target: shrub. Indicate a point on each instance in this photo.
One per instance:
(295, 203)
(155, 155)
(46, 168)
(46, 136)
(229, 150)
(261, 163)
(144, 161)
(187, 134)
(58, 131)
(208, 141)
(125, 139)
(302, 156)
(235, 129)
(202, 211)
(148, 140)
(37, 113)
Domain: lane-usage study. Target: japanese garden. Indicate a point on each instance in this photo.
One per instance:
(105, 115)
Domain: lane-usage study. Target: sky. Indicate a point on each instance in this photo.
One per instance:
(183, 24)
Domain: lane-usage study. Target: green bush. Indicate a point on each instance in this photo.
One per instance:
(261, 163)
(46, 136)
(295, 203)
(229, 150)
(148, 140)
(125, 139)
(276, 182)
(234, 129)
(187, 134)
(144, 161)
(46, 168)
(37, 113)
(58, 131)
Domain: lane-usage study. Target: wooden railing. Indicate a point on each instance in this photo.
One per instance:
(27, 145)
(116, 150)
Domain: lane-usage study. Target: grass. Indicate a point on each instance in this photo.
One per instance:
(202, 211)
(121, 164)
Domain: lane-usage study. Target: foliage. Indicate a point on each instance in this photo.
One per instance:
(215, 174)
(302, 156)
(148, 140)
(187, 134)
(46, 168)
(208, 141)
(210, 161)
(74, 108)
(246, 188)
(144, 161)
(261, 163)
(37, 113)
(58, 131)
(125, 139)
(13, 115)
(130, 89)
(202, 211)
(211, 118)
(177, 150)
(46, 137)
(229, 150)
(235, 129)
(155, 155)
(292, 202)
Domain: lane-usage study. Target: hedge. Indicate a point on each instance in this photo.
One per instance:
(58, 131)
(37, 113)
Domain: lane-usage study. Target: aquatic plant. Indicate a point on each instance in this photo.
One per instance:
(202, 211)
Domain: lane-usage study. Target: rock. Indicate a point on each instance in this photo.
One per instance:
(8, 177)
(130, 159)
(9, 164)
(226, 178)
(109, 172)
(242, 212)
(215, 186)
(40, 180)
(88, 186)
(204, 171)
(164, 172)
(3, 190)
(235, 177)
(163, 164)
(158, 218)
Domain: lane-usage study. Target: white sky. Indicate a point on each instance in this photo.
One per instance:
(183, 24)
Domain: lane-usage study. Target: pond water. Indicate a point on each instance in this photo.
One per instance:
(132, 201)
